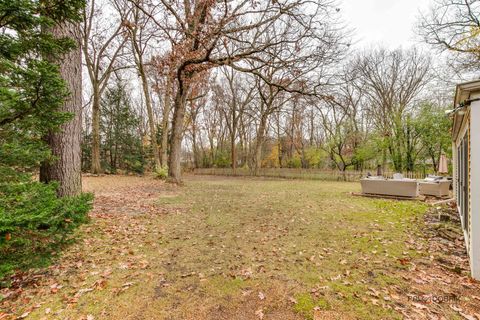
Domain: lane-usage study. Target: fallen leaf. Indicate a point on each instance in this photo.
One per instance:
(128, 284)
(259, 313)
(82, 291)
(467, 316)
(419, 306)
(455, 308)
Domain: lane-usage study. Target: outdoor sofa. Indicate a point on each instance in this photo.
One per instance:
(407, 188)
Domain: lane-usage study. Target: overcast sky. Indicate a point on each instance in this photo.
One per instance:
(388, 22)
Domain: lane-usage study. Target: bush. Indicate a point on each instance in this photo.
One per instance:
(135, 164)
(294, 162)
(223, 160)
(161, 173)
(32, 92)
(33, 221)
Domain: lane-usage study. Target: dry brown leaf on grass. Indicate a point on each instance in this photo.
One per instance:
(455, 308)
(100, 284)
(246, 293)
(419, 306)
(128, 284)
(55, 287)
(259, 313)
(467, 316)
(4, 316)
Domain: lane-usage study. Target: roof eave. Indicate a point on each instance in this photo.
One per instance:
(462, 94)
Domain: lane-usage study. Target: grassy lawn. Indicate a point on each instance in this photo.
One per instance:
(223, 248)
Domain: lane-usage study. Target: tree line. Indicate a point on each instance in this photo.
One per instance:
(284, 89)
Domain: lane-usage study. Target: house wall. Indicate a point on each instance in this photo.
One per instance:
(471, 126)
(474, 184)
(463, 131)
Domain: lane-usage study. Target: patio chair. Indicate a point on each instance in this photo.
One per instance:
(435, 187)
(397, 176)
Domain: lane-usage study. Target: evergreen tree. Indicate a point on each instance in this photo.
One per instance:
(32, 93)
(122, 143)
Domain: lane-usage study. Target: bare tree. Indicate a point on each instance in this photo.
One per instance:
(454, 26)
(141, 31)
(196, 103)
(205, 32)
(164, 77)
(167, 106)
(101, 47)
(236, 97)
(393, 80)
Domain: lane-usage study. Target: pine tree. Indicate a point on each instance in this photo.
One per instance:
(32, 93)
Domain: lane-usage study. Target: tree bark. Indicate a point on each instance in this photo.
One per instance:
(96, 165)
(65, 144)
(234, 156)
(166, 115)
(151, 119)
(175, 165)
(233, 135)
(138, 55)
(196, 163)
(259, 144)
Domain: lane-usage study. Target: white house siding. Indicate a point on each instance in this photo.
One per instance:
(474, 228)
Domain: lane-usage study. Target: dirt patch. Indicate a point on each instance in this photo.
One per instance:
(442, 279)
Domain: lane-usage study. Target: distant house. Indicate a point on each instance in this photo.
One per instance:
(466, 166)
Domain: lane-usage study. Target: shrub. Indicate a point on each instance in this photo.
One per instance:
(134, 164)
(161, 173)
(33, 220)
(295, 162)
(223, 160)
(32, 92)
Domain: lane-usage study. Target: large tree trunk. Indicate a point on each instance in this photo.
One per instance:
(193, 119)
(175, 165)
(96, 166)
(234, 155)
(259, 144)
(196, 163)
(65, 144)
(166, 115)
(233, 135)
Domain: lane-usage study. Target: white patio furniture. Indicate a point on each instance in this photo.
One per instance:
(397, 176)
(407, 188)
(437, 188)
